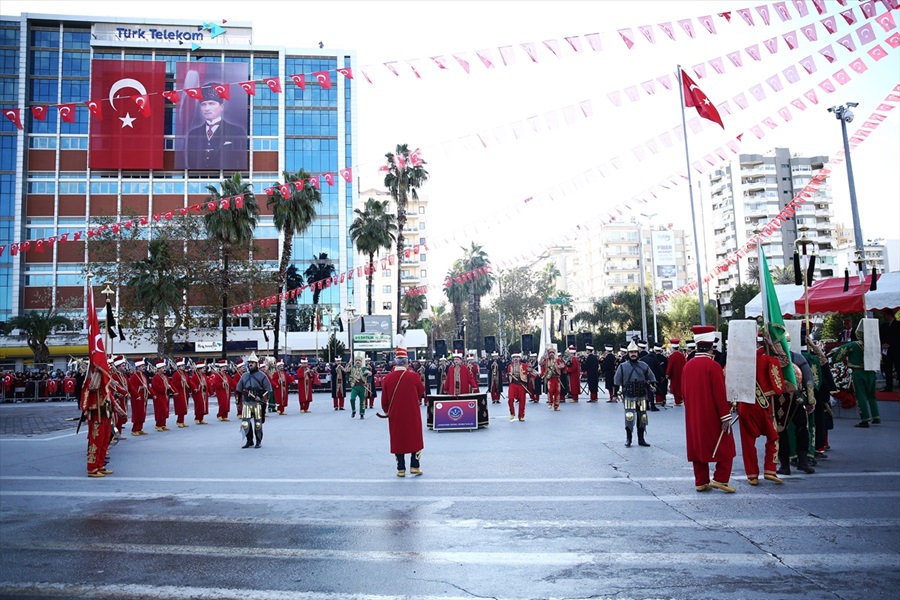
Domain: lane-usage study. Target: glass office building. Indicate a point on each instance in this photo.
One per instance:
(47, 185)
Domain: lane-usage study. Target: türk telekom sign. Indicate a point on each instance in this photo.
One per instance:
(170, 35)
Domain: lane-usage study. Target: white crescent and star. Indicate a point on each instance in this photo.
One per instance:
(121, 84)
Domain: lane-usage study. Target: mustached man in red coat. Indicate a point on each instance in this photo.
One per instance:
(707, 415)
(400, 393)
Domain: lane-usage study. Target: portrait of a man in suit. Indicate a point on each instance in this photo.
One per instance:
(216, 143)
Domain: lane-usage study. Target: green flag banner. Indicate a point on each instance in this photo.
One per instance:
(777, 331)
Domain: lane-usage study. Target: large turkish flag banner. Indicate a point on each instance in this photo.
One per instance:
(125, 138)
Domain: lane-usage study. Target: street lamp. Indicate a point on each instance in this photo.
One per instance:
(351, 316)
(845, 115)
(641, 282)
(652, 274)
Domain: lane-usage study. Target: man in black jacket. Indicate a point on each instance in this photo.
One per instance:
(591, 366)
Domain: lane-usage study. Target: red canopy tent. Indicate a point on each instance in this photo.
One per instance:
(828, 296)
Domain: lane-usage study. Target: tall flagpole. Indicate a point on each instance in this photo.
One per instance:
(687, 158)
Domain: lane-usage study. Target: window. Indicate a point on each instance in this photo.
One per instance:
(423, 273)
(385, 306)
(385, 272)
(421, 210)
(422, 257)
(421, 225)
(385, 289)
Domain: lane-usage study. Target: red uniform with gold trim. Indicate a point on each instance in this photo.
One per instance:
(94, 402)
(182, 391)
(573, 371)
(706, 408)
(139, 388)
(220, 385)
(199, 384)
(120, 394)
(161, 391)
(280, 381)
(758, 419)
(459, 381)
(551, 371)
(306, 379)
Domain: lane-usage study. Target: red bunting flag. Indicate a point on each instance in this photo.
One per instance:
(694, 96)
(195, 93)
(249, 87)
(324, 79)
(274, 84)
(314, 181)
(39, 113)
(347, 174)
(239, 201)
(94, 108)
(172, 96)
(223, 90)
(143, 104)
(14, 115)
(300, 80)
(346, 72)
(329, 178)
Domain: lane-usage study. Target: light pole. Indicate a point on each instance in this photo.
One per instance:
(845, 115)
(641, 283)
(652, 275)
(351, 316)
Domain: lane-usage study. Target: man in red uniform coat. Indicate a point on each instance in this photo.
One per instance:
(161, 392)
(758, 419)
(707, 415)
(199, 383)
(280, 382)
(572, 370)
(118, 385)
(518, 382)
(476, 372)
(306, 379)
(400, 393)
(674, 369)
(220, 386)
(459, 379)
(182, 386)
(551, 368)
(139, 387)
(94, 401)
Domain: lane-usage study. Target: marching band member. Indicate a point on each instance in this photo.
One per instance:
(518, 381)
(199, 385)
(280, 382)
(118, 385)
(551, 368)
(220, 385)
(306, 378)
(139, 386)
(161, 392)
(572, 371)
(633, 377)
(459, 378)
(495, 382)
(182, 391)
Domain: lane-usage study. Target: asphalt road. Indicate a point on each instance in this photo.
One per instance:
(555, 507)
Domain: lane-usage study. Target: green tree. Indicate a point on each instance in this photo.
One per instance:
(232, 229)
(519, 302)
(321, 269)
(157, 291)
(780, 275)
(403, 180)
(291, 215)
(414, 306)
(335, 347)
(478, 285)
(36, 326)
(373, 229)
(742, 294)
(684, 313)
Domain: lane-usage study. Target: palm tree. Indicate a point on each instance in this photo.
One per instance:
(320, 269)
(292, 215)
(232, 228)
(780, 275)
(373, 229)
(158, 291)
(414, 306)
(37, 326)
(477, 286)
(457, 294)
(403, 179)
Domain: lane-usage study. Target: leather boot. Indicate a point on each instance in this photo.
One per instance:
(249, 439)
(627, 437)
(641, 441)
(258, 437)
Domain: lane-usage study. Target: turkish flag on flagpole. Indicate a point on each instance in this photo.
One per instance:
(96, 350)
(694, 96)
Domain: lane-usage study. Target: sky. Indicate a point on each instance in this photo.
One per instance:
(477, 191)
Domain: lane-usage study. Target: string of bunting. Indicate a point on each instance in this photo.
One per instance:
(773, 225)
(595, 41)
(321, 284)
(449, 281)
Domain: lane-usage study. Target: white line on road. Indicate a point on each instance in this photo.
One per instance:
(418, 480)
(764, 497)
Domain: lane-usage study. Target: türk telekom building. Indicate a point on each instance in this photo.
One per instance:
(101, 134)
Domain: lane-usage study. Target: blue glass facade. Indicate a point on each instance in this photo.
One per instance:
(297, 129)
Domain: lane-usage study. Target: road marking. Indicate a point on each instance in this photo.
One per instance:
(478, 524)
(406, 498)
(849, 562)
(418, 480)
(65, 590)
